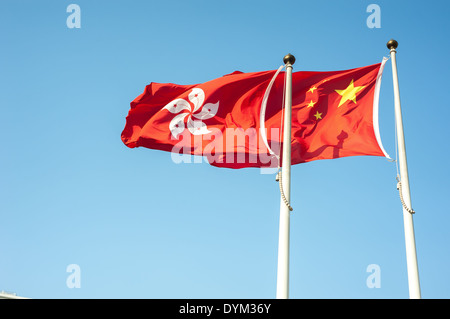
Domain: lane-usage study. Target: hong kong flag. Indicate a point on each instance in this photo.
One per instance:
(235, 121)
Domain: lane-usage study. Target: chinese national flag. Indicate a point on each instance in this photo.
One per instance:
(334, 114)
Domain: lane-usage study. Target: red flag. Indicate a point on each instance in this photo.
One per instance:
(334, 114)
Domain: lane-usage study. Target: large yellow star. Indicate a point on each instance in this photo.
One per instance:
(349, 93)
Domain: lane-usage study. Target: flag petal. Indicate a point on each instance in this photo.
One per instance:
(208, 111)
(197, 97)
(177, 105)
(177, 126)
(197, 127)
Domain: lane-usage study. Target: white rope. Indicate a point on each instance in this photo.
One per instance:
(262, 115)
(280, 181)
(279, 173)
(399, 187)
(262, 119)
(399, 183)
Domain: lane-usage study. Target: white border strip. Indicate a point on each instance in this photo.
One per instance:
(376, 99)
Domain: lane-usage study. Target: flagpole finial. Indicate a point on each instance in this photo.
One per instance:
(392, 44)
(289, 59)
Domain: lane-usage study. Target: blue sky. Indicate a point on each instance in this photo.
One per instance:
(139, 225)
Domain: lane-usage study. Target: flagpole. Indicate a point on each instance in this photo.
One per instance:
(283, 240)
(411, 257)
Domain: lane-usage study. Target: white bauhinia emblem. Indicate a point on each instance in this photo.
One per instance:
(183, 109)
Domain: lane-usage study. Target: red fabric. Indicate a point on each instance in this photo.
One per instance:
(222, 120)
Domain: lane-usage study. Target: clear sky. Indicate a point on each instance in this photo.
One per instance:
(140, 226)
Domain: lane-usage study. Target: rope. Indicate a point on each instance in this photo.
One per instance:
(278, 178)
(399, 183)
(399, 187)
(262, 115)
(280, 181)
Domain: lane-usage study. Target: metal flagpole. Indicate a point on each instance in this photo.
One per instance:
(411, 257)
(285, 187)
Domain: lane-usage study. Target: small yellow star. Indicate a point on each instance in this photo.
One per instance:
(311, 104)
(312, 89)
(318, 115)
(349, 93)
